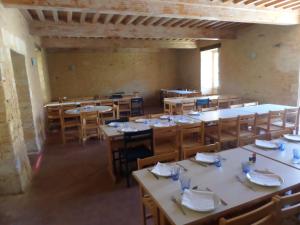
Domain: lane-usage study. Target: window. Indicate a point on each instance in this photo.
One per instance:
(209, 70)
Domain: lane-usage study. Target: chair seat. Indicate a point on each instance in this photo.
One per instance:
(287, 124)
(138, 152)
(225, 137)
(272, 127)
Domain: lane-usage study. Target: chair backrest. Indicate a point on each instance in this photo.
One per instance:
(223, 103)
(191, 151)
(89, 118)
(187, 106)
(229, 124)
(121, 120)
(250, 104)
(52, 111)
(236, 106)
(264, 215)
(169, 135)
(107, 102)
(137, 100)
(288, 205)
(192, 131)
(150, 161)
(201, 103)
(138, 137)
(275, 116)
(209, 109)
(87, 103)
(291, 116)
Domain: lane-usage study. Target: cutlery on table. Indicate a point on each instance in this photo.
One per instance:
(244, 183)
(153, 174)
(185, 169)
(222, 200)
(265, 171)
(175, 200)
(199, 163)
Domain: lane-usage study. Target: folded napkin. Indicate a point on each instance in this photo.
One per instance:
(265, 144)
(205, 157)
(162, 169)
(201, 201)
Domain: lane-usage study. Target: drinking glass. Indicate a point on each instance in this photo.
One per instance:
(296, 155)
(246, 167)
(175, 172)
(281, 146)
(185, 182)
(218, 162)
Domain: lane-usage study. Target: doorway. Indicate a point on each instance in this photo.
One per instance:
(23, 93)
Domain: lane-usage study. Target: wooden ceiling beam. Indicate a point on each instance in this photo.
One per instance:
(69, 43)
(124, 31)
(182, 9)
(40, 15)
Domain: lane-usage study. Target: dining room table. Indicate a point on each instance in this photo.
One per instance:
(215, 115)
(228, 182)
(89, 108)
(113, 133)
(283, 154)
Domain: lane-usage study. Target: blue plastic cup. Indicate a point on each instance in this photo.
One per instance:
(185, 182)
(175, 172)
(281, 146)
(218, 161)
(296, 155)
(246, 167)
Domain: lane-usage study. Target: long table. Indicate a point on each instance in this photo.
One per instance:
(212, 116)
(114, 138)
(175, 103)
(78, 102)
(221, 181)
(285, 156)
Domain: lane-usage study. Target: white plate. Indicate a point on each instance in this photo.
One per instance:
(184, 121)
(161, 125)
(200, 201)
(140, 120)
(205, 157)
(162, 169)
(128, 129)
(113, 124)
(266, 144)
(292, 137)
(193, 113)
(265, 179)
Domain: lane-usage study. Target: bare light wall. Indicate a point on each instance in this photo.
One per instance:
(102, 72)
(263, 64)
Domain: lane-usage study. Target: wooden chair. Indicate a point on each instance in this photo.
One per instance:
(111, 115)
(90, 125)
(267, 125)
(213, 108)
(250, 104)
(223, 103)
(86, 103)
(124, 107)
(191, 151)
(165, 140)
(227, 131)
(167, 108)
(247, 131)
(201, 103)
(137, 106)
(288, 208)
(264, 215)
(53, 117)
(187, 107)
(70, 124)
(290, 120)
(191, 135)
(236, 106)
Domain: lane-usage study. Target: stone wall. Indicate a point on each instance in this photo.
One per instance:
(101, 72)
(15, 170)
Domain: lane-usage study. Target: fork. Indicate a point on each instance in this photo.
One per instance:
(199, 163)
(244, 183)
(178, 204)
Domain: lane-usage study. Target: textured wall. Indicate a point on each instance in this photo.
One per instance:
(87, 73)
(15, 171)
(263, 64)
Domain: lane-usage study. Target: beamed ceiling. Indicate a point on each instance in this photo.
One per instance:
(174, 23)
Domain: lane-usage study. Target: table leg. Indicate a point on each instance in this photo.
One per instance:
(110, 160)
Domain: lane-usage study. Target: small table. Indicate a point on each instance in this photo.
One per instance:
(100, 109)
(284, 157)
